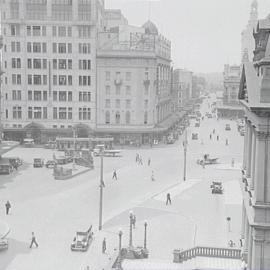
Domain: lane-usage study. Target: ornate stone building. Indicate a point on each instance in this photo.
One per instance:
(254, 95)
(133, 83)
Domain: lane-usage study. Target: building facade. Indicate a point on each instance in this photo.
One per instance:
(254, 94)
(133, 83)
(49, 60)
(247, 40)
(230, 107)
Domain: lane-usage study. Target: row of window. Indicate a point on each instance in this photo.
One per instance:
(84, 31)
(38, 95)
(41, 47)
(62, 113)
(108, 103)
(127, 90)
(118, 75)
(117, 118)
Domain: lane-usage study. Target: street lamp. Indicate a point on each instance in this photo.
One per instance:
(101, 186)
(145, 231)
(120, 233)
(130, 228)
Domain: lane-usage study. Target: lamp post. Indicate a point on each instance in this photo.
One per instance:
(185, 156)
(120, 233)
(145, 233)
(130, 228)
(101, 185)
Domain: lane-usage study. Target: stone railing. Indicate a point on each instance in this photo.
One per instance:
(181, 256)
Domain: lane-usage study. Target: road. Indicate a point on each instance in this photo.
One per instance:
(55, 210)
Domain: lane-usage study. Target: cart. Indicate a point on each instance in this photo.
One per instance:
(82, 240)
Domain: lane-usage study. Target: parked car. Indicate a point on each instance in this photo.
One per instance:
(82, 240)
(28, 142)
(50, 164)
(227, 127)
(38, 163)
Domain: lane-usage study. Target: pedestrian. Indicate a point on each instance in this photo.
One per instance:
(141, 161)
(114, 175)
(241, 242)
(133, 221)
(210, 136)
(8, 206)
(232, 162)
(168, 201)
(152, 176)
(33, 240)
(15, 166)
(104, 246)
(149, 161)
(137, 156)
(217, 137)
(227, 142)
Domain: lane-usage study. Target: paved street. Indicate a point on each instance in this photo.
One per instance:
(55, 210)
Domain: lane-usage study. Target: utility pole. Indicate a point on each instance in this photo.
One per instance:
(185, 156)
(101, 186)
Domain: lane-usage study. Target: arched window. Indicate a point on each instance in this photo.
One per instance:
(107, 118)
(127, 117)
(117, 117)
(145, 118)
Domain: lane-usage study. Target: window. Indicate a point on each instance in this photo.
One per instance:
(62, 47)
(36, 47)
(44, 47)
(44, 63)
(37, 63)
(37, 112)
(267, 72)
(117, 103)
(69, 64)
(54, 31)
(54, 47)
(69, 80)
(54, 113)
(13, 49)
(128, 76)
(117, 117)
(146, 89)
(84, 31)
(54, 95)
(107, 103)
(69, 48)
(62, 63)
(128, 90)
(29, 95)
(128, 103)
(54, 64)
(43, 31)
(37, 79)
(18, 46)
(62, 80)
(62, 96)
(69, 30)
(45, 95)
(69, 96)
(62, 113)
(15, 30)
(118, 90)
(61, 31)
(30, 113)
(85, 80)
(85, 64)
(69, 113)
(45, 113)
(17, 112)
(84, 113)
(29, 47)
(36, 31)
(85, 48)
(16, 95)
(28, 30)
(29, 79)
(107, 118)
(127, 117)
(37, 95)
(29, 63)
(108, 90)
(108, 76)
(145, 118)
(85, 96)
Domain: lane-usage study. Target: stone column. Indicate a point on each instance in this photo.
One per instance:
(253, 158)
(249, 150)
(250, 245)
(258, 255)
(260, 167)
(245, 145)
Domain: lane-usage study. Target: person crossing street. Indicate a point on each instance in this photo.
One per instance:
(168, 201)
(8, 206)
(114, 175)
(104, 246)
(33, 240)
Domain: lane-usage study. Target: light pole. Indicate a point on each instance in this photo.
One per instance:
(101, 185)
(185, 156)
(145, 234)
(120, 233)
(130, 228)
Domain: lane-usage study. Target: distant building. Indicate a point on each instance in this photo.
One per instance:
(182, 84)
(247, 40)
(49, 60)
(254, 95)
(230, 108)
(114, 18)
(133, 83)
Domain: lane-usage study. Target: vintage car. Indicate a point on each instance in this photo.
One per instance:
(216, 187)
(194, 136)
(82, 240)
(50, 164)
(206, 160)
(38, 163)
(5, 166)
(227, 127)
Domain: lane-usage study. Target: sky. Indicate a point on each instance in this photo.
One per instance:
(205, 34)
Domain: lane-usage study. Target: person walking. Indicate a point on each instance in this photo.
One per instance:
(210, 136)
(149, 161)
(214, 131)
(33, 240)
(227, 142)
(114, 175)
(8, 206)
(104, 246)
(168, 201)
(217, 137)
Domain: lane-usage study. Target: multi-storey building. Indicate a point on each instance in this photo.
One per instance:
(254, 94)
(247, 40)
(49, 60)
(230, 107)
(182, 85)
(134, 83)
